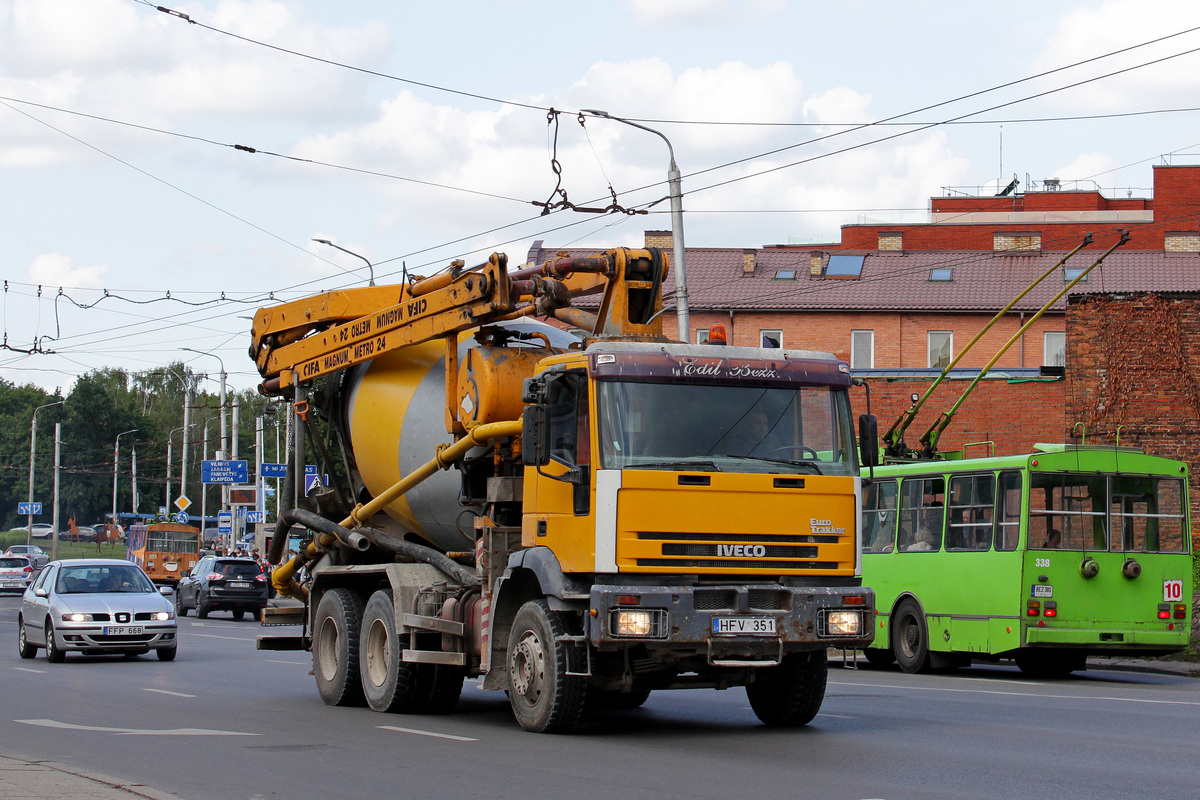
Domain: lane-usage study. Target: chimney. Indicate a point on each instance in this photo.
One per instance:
(749, 261)
(816, 263)
(664, 240)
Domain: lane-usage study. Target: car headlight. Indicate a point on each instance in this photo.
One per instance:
(163, 616)
(77, 617)
(843, 623)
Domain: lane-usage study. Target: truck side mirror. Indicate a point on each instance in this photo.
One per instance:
(534, 452)
(868, 440)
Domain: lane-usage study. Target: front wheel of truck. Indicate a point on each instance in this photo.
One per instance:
(790, 694)
(544, 698)
(335, 648)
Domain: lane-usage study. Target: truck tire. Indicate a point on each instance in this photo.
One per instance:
(544, 698)
(910, 637)
(335, 648)
(389, 684)
(790, 694)
(447, 688)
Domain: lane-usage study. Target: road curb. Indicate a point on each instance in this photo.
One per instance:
(47, 780)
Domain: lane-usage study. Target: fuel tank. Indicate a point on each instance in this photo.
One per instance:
(395, 414)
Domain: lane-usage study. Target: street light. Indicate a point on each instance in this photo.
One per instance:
(675, 184)
(32, 453)
(371, 282)
(182, 466)
(116, 463)
(224, 430)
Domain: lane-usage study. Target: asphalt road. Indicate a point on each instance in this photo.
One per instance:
(228, 722)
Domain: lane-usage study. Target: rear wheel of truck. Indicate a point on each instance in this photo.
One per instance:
(544, 698)
(390, 684)
(335, 647)
(790, 694)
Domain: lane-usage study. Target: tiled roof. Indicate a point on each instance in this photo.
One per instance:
(982, 280)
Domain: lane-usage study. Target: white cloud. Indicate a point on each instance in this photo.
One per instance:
(1087, 32)
(674, 12)
(54, 270)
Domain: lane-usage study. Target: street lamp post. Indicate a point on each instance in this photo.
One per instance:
(224, 451)
(32, 453)
(675, 184)
(370, 267)
(116, 463)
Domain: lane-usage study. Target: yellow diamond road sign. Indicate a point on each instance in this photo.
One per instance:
(182, 502)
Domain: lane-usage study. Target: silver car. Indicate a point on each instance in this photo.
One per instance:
(36, 554)
(15, 573)
(94, 605)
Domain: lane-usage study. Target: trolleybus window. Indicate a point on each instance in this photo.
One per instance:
(1073, 504)
(922, 514)
(1147, 514)
(972, 498)
(879, 517)
(1008, 511)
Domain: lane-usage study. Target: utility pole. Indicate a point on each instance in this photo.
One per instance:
(116, 463)
(57, 463)
(32, 454)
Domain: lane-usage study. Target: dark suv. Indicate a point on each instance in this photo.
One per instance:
(219, 583)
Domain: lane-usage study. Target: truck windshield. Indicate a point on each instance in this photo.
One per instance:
(725, 428)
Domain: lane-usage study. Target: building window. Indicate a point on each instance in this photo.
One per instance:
(844, 266)
(1054, 349)
(772, 339)
(941, 274)
(941, 349)
(702, 336)
(862, 349)
(785, 275)
(1071, 273)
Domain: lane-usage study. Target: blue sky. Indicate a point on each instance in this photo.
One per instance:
(417, 175)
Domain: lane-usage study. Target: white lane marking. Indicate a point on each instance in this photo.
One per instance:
(293, 663)
(425, 733)
(1005, 681)
(51, 723)
(215, 636)
(164, 691)
(27, 669)
(835, 716)
(1026, 694)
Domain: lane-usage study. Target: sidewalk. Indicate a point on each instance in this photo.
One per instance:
(21, 779)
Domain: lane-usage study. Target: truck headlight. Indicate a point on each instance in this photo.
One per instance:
(843, 623)
(644, 622)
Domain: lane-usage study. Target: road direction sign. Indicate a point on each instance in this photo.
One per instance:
(182, 518)
(182, 502)
(253, 517)
(274, 470)
(224, 472)
(28, 509)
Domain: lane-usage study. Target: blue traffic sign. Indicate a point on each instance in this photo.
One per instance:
(256, 516)
(181, 517)
(224, 522)
(274, 470)
(29, 509)
(224, 472)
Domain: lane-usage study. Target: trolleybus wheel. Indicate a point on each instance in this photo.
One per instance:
(790, 694)
(910, 638)
(335, 647)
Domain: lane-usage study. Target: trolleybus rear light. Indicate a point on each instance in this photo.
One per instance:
(1034, 608)
(1180, 611)
(1051, 608)
(1164, 615)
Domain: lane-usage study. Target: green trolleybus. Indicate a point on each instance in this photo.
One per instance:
(1045, 558)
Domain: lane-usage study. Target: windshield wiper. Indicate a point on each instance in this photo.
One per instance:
(676, 464)
(816, 470)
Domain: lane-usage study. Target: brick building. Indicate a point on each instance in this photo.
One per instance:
(899, 301)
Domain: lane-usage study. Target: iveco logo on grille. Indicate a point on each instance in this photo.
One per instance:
(742, 550)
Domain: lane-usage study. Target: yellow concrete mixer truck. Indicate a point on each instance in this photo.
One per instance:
(575, 520)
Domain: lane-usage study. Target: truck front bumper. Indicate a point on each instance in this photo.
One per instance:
(730, 624)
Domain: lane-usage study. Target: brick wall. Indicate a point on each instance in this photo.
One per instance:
(1013, 416)
(1134, 364)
